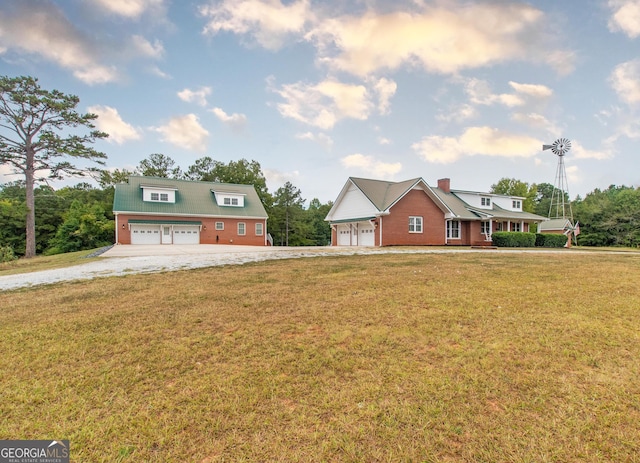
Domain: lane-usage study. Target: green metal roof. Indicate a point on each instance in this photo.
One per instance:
(192, 198)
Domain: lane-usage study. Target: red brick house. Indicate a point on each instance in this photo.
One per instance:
(150, 210)
(380, 213)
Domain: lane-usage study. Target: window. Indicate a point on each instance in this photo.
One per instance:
(415, 224)
(515, 226)
(155, 197)
(219, 225)
(241, 228)
(164, 197)
(453, 229)
(230, 201)
(484, 201)
(516, 204)
(484, 228)
(259, 229)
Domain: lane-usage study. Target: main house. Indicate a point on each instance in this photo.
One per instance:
(151, 210)
(381, 213)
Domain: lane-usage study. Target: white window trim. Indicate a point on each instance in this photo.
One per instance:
(450, 229)
(261, 226)
(221, 227)
(417, 224)
(244, 229)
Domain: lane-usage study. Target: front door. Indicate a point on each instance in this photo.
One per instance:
(166, 234)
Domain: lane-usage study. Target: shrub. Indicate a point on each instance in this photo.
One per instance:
(513, 239)
(550, 240)
(7, 254)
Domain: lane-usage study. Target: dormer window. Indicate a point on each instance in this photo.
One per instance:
(485, 201)
(516, 204)
(230, 199)
(159, 194)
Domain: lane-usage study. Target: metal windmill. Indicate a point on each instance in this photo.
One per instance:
(560, 207)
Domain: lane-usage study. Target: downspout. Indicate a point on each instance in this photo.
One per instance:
(117, 226)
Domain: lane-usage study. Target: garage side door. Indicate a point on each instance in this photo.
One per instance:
(186, 234)
(145, 234)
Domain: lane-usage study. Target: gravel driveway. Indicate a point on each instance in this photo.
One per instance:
(127, 260)
(131, 259)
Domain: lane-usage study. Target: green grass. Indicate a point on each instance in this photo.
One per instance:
(42, 262)
(483, 357)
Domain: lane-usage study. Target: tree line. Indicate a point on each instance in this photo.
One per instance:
(609, 217)
(80, 217)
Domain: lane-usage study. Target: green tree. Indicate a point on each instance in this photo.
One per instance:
(610, 217)
(321, 230)
(30, 121)
(49, 211)
(159, 165)
(514, 187)
(286, 220)
(110, 178)
(542, 202)
(86, 226)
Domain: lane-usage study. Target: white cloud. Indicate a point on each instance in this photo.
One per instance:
(236, 121)
(268, 22)
(625, 80)
(446, 38)
(385, 89)
(198, 97)
(484, 141)
(480, 93)
(458, 114)
(371, 166)
(40, 28)
(131, 9)
(532, 90)
(625, 17)
(110, 121)
(144, 47)
(534, 120)
(322, 139)
(184, 132)
(323, 104)
(276, 177)
(580, 152)
(384, 141)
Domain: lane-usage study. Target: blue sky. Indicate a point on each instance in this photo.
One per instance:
(317, 91)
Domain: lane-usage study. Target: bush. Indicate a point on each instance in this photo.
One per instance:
(513, 239)
(7, 254)
(550, 240)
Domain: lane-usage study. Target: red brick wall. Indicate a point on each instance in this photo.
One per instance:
(395, 227)
(208, 232)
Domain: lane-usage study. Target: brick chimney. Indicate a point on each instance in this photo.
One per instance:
(445, 184)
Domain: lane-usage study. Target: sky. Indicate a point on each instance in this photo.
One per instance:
(318, 91)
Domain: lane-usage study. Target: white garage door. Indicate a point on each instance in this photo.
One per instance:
(367, 238)
(344, 235)
(186, 234)
(145, 234)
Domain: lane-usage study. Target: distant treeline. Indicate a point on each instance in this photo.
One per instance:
(80, 217)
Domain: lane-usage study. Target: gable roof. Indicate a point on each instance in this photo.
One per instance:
(192, 198)
(555, 224)
(381, 193)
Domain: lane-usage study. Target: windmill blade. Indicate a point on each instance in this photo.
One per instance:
(546, 147)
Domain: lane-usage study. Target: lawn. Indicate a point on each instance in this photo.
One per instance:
(481, 357)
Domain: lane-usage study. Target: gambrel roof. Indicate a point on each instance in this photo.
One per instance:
(191, 198)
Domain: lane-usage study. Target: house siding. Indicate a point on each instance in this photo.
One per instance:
(208, 232)
(395, 231)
